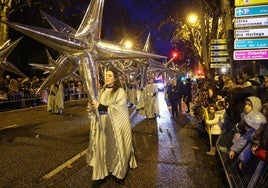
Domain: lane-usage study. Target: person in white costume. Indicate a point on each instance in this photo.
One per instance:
(111, 150)
(55, 102)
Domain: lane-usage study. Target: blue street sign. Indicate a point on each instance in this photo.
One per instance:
(251, 11)
(251, 43)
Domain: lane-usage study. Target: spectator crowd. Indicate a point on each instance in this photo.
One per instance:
(16, 93)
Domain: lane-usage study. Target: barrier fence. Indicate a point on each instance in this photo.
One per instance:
(20, 100)
(255, 172)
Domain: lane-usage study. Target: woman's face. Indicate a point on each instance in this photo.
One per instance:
(210, 92)
(248, 106)
(109, 78)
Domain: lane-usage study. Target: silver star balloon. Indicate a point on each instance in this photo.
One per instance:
(85, 47)
(5, 50)
(50, 67)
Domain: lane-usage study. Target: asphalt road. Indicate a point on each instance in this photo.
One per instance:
(40, 149)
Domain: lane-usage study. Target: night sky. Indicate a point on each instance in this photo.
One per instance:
(148, 15)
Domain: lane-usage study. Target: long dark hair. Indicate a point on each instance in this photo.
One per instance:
(117, 83)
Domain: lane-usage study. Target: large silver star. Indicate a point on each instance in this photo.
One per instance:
(50, 67)
(5, 50)
(83, 48)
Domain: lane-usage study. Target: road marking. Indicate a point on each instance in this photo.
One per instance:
(9, 127)
(66, 164)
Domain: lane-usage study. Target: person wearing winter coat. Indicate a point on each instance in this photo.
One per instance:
(215, 124)
(259, 143)
(173, 97)
(251, 120)
(187, 93)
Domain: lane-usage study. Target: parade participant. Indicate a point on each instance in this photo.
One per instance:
(55, 103)
(148, 102)
(132, 93)
(110, 148)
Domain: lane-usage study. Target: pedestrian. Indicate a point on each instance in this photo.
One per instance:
(173, 97)
(188, 94)
(111, 150)
(148, 103)
(55, 103)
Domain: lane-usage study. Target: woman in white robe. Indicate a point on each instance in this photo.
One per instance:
(148, 102)
(110, 147)
(55, 102)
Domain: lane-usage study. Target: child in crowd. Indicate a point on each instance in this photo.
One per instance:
(215, 123)
(251, 120)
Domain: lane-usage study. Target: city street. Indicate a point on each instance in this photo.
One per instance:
(40, 149)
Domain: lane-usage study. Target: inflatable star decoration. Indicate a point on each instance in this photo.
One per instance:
(5, 50)
(84, 47)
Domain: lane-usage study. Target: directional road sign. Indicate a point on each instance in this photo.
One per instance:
(251, 33)
(250, 2)
(218, 41)
(251, 43)
(251, 22)
(219, 59)
(220, 65)
(218, 53)
(218, 47)
(251, 11)
(251, 54)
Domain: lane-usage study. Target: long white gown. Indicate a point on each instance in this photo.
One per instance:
(148, 103)
(110, 146)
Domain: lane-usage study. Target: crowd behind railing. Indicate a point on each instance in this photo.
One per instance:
(239, 107)
(18, 93)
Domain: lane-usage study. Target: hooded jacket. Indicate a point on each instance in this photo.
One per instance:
(254, 119)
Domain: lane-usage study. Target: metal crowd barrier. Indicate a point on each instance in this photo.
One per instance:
(21, 101)
(254, 174)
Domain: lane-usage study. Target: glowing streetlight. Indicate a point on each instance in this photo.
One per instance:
(128, 44)
(192, 18)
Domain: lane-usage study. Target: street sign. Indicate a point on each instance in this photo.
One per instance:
(219, 59)
(251, 43)
(250, 2)
(218, 53)
(251, 22)
(218, 47)
(251, 54)
(251, 33)
(220, 65)
(218, 41)
(251, 11)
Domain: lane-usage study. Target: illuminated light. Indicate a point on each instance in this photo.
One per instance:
(192, 18)
(223, 70)
(128, 44)
(174, 54)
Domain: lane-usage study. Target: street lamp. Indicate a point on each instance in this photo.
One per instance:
(192, 18)
(128, 44)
